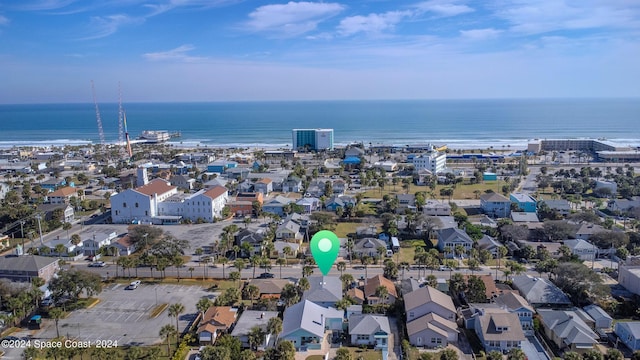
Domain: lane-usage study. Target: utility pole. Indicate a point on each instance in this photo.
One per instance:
(22, 222)
(39, 217)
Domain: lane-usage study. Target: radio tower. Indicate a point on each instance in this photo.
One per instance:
(98, 118)
(120, 120)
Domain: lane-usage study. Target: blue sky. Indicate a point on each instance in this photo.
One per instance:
(222, 50)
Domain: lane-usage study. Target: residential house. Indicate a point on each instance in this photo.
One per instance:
(269, 288)
(50, 210)
(436, 208)
(353, 310)
(277, 205)
(250, 319)
(567, 330)
(333, 203)
(217, 320)
(218, 181)
(309, 204)
(206, 204)
(524, 202)
(219, 166)
(325, 291)
(540, 292)
(586, 230)
(292, 184)
(63, 195)
(600, 317)
(354, 151)
(316, 189)
(369, 330)
(561, 206)
(623, 205)
(524, 217)
(432, 331)
(516, 304)
(409, 285)
(356, 295)
(124, 246)
(339, 187)
(495, 205)
(491, 291)
(183, 182)
(585, 251)
(612, 186)
(388, 166)
(490, 244)
(289, 231)
(27, 267)
(405, 202)
(140, 204)
(255, 239)
(368, 247)
(449, 239)
(280, 245)
(264, 186)
(305, 323)
(243, 204)
(431, 317)
(629, 274)
(629, 333)
(499, 331)
(92, 245)
(371, 287)
(67, 249)
(52, 184)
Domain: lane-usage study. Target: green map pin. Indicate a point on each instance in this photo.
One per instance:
(325, 246)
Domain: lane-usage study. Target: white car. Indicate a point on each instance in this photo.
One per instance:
(134, 285)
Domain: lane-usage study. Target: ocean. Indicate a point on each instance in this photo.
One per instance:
(456, 123)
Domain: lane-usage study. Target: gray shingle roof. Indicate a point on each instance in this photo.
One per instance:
(540, 291)
(30, 263)
(568, 326)
(366, 324)
(324, 289)
(309, 317)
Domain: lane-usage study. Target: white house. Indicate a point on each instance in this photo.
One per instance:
(92, 245)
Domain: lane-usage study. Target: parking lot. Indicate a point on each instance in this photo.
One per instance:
(124, 315)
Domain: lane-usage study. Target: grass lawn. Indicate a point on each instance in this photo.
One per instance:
(366, 354)
(342, 229)
(462, 191)
(315, 357)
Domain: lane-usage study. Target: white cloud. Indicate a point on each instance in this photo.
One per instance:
(444, 8)
(42, 5)
(162, 7)
(372, 23)
(4, 20)
(540, 16)
(292, 18)
(480, 34)
(108, 25)
(177, 54)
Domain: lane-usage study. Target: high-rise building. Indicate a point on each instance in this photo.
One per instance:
(434, 161)
(313, 139)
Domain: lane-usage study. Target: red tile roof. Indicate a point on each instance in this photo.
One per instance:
(155, 186)
(65, 191)
(215, 192)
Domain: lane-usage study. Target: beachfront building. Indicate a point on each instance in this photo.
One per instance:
(140, 204)
(313, 139)
(206, 204)
(434, 161)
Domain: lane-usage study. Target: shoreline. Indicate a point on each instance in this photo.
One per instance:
(453, 144)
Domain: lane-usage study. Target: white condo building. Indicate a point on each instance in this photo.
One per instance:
(313, 139)
(434, 161)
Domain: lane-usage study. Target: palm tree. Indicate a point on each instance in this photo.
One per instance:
(366, 260)
(255, 261)
(56, 314)
(203, 305)
(167, 332)
(280, 262)
(67, 226)
(341, 266)
(177, 262)
(252, 292)
(382, 293)
(303, 284)
(223, 260)
(234, 276)
(274, 326)
(175, 310)
(403, 267)
(191, 269)
(256, 337)
(307, 271)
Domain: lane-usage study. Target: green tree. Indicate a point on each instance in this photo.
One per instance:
(476, 290)
(494, 355)
(274, 326)
(571, 355)
(256, 337)
(592, 355)
(167, 332)
(613, 354)
(56, 314)
(247, 355)
(216, 353)
(252, 292)
(175, 310)
(516, 354)
(448, 354)
(234, 275)
(343, 354)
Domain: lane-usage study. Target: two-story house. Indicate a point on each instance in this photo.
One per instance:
(449, 239)
(499, 331)
(431, 317)
(524, 202)
(369, 330)
(495, 205)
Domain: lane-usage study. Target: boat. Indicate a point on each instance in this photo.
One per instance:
(155, 136)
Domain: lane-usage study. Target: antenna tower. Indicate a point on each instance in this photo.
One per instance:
(98, 118)
(120, 115)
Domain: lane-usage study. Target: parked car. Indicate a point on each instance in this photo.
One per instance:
(98, 264)
(134, 285)
(265, 276)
